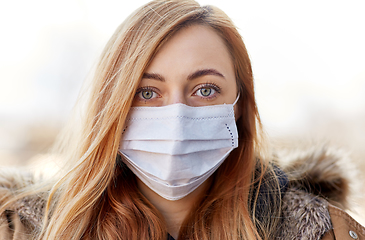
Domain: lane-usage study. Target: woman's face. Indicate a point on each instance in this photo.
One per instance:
(194, 67)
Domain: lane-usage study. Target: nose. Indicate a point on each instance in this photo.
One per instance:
(176, 97)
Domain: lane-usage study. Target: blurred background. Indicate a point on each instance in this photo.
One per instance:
(308, 59)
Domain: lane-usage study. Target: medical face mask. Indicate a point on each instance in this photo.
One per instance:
(173, 149)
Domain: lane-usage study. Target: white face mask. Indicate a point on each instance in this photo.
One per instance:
(173, 149)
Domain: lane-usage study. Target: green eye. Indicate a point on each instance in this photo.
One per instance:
(147, 94)
(205, 92)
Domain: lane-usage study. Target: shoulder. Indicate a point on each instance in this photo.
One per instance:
(343, 226)
(318, 190)
(20, 218)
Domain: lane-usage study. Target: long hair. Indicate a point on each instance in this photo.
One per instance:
(98, 198)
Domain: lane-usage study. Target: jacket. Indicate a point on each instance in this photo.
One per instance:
(317, 186)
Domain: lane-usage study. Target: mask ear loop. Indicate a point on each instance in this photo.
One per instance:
(235, 101)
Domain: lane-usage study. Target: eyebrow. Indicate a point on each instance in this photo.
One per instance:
(196, 74)
(154, 76)
(204, 72)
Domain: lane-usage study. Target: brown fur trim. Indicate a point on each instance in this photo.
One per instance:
(322, 171)
(305, 216)
(29, 209)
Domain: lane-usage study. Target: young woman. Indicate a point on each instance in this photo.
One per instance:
(170, 147)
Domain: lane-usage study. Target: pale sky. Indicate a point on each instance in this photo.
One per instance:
(308, 56)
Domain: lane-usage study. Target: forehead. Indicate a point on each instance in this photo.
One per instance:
(193, 46)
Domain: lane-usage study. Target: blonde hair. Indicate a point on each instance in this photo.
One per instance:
(98, 198)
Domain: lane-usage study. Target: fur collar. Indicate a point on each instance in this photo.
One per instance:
(317, 175)
(305, 216)
(321, 171)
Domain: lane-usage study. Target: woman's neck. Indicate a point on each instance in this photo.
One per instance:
(174, 212)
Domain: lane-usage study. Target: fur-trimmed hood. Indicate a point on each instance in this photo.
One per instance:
(320, 170)
(315, 176)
